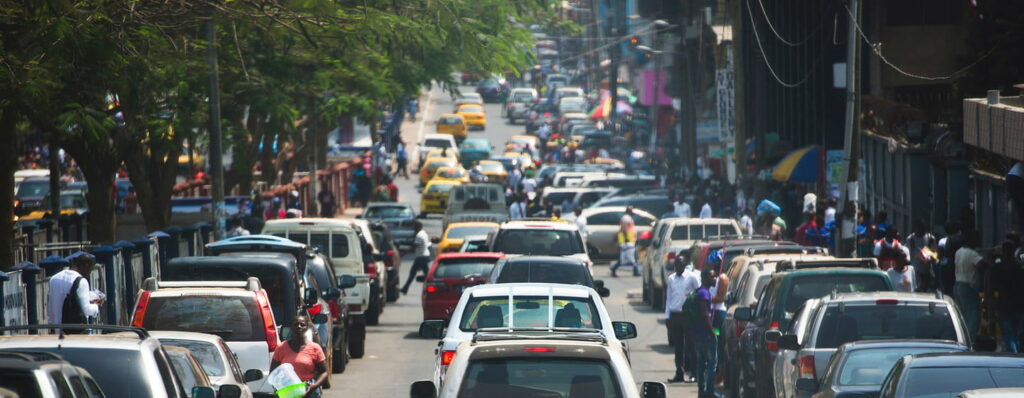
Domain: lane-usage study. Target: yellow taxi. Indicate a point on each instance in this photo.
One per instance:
(456, 173)
(453, 125)
(434, 199)
(456, 233)
(494, 170)
(474, 115)
(430, 168)
(441, 153)
(525, 160)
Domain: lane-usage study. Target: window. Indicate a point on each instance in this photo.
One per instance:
(337, 248)
(545, 242)
(232, 318)
(183, 369)
(449, 120)
(232, 362)
(539, 377)
(22, 382)
(94, 390)
(78, 386)
(207, 354)
(946, 382)
(877, 322)
(868, 367)
(165, 368)
(389, 212)
(462, 268)
(571, 312)
(60, 383)
(440, 188)
(33, 188)
(462, 232)
(437, 143)
(607, 218)
(533, 271)
(806, 287)
(127, 379)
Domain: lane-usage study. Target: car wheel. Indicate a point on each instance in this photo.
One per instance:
(742, 389)
(657, 298)
(646, 290)
(340, 361)
(392, 291)
(374, 309)
(356, 348)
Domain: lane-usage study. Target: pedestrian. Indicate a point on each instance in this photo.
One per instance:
(865, 234)
(948, 246)
(718, 294)
(306, 357)
(581, 222)
(902, 275)
(881, 224)
(627, 243)
(403, 160)
(969, 264)
(922, 255)
(830, 211)
(889, 250)
(392, 189)
(413, 105)
(678, 286)
(70, 299)
(327, 203)
(518, 209)
(811, 223)
(1004, 288)
(421, 249)
(681, 208)
(746, 223)
(702, 336)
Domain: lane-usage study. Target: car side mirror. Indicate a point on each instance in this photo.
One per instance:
(423, 389)
(624, 330)
(320, 319)
(772, 335)
(229, 391)
(346, 281)
(807, 386)
(653, 389)
(432, 329)
(253, 375)
(743, 314)
(789, 342)
(311, 296)
(332, 293)
(203, 392)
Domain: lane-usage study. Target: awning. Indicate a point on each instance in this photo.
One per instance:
(802, 165)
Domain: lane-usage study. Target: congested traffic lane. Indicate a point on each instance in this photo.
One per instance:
(396, 356)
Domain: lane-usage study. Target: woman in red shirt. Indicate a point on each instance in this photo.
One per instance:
(305, 356)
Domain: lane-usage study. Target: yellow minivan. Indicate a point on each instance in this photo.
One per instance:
(452, 124)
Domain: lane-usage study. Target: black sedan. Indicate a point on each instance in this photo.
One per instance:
(857, 369)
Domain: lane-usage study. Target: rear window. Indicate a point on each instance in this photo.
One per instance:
(947, 382)
(270, 280)
(127, 379)
(491, 312)
(539, 377)
(804, 287)
(447, 120)
(700, 231)
(333, 245)
(233, 318)
(469, 144)
(464, 267)
(868, 367)
(462, 232)
(33, 188)
(440, 188)
(542, 242)
(388, 212)
(207, 354)
(877, 322)
(531, 271)
(437, 143)
(22, 383)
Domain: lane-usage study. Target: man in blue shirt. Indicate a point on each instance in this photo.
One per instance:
(703, 337)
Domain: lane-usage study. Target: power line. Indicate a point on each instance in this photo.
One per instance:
(767, 62)
(877, 49)
(779, 36)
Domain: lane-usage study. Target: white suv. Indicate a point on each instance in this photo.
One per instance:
(540, 237)
(533, 307)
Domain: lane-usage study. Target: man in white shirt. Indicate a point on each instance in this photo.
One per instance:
(682, 208)
(581, 222)
(61, 285)
(517, 210)
(747, 223)
(678, 287)
(830, 211)
(968, 265)
(705, 211)
(421, 249)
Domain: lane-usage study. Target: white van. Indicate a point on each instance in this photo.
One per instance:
(350, 254)
(476, 202)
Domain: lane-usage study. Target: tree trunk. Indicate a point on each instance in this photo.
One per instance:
(8, 165)
(153, 180)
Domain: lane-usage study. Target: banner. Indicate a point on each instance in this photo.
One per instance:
(724, 82)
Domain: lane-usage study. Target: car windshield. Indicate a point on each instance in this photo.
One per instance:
(471, 109)
(868, 367)
(464, 267)
(539, 242)
(804, 287)
(530, 312)
(437, 143)
(539, 377)
(700, 231)
(449, 120)
(127, 379)
(33, 188)
(233, 318)
(206, 353)
(947, 382)
(848, 323)
(73, 202)
(388, 212)
(439, 188)
(462, 232)
(472, 144)
(535, 271)
(492, 167)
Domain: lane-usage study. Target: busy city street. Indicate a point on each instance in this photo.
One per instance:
(512, 199)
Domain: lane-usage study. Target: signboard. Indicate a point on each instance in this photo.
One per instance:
(15, 303)
(724, 82)
(834, 167)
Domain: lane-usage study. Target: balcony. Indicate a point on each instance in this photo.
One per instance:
(995, 124)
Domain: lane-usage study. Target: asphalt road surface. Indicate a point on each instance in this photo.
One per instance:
(396, 356)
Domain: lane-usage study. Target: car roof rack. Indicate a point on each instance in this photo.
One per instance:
(252, 284)
(142, 333)
(539, 333)
(798, 264)
(737, 237)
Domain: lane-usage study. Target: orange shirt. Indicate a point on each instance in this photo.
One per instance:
(304, 361)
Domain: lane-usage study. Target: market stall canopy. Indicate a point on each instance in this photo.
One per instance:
(803, 165)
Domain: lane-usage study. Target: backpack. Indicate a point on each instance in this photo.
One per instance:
(690, 311)
(71, 311)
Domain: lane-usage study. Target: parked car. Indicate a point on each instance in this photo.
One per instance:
(238, 311)
(449, 276)
(214, 356)
(434, 198)
(45, 375)
(491, 90)
(743, 293)
(452, 124)
(858, 368)
(474, 116)
(319, 268)
(399, 218)
(540, 237)
(669, 237)
(785, 293)
(546, 269)
(603, 228)
(375, 256)
(580, 365)
(387, 251)
(518, 105)
(151, 373)
(455, 233)
(187, 369)
(468, 98)
(493, 170)
(846, 317)
(31, 192)
(944, 375)
(522, 306)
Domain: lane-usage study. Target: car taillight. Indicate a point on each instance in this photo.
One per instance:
(447, 357)
(435, 287)
(887, 301)
(370, 267)
(268, 320)
(425, 171)
(389, 258)
(335, 311)
(772, 345)
(140, 309)
(539, 349)
(807, 367)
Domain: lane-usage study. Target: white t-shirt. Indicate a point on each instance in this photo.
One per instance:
(747, 225)
(677, 288)
(903, 281)
(581, 224)
(517, 210)
(60, 287)
(529, 185)
(705, 211)
(422, 244)
(966, 263)
(682, 209)
(830, 215)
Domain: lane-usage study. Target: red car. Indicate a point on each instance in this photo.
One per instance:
(450, 274)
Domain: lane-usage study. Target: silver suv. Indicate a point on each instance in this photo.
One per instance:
(45, 375)
(842, 318)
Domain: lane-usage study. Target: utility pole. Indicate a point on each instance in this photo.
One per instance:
(314, 166)
(216, 152)
(847, 189)
(739, 94)
(655, 123)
